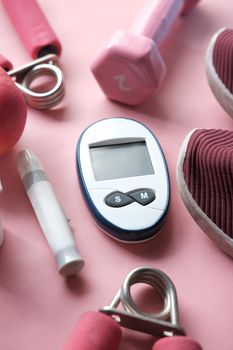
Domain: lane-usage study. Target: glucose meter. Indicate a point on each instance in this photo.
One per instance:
(124, 178)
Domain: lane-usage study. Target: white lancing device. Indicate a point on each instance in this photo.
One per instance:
(49, 213)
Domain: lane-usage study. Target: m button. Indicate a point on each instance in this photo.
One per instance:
(143, 196)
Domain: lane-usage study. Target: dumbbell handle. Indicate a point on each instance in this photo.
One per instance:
(157, 18)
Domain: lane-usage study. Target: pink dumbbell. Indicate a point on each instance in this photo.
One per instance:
(102, 331)
(130, 68)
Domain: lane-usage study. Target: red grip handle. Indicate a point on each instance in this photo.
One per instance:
(32, 27)
(94, 331)
(176, 343)
(188, 5)
(5, 63)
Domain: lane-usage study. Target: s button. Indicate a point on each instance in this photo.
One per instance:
(118, 200)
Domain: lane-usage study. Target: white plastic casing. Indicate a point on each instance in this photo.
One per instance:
(130, 222)
(49, 213)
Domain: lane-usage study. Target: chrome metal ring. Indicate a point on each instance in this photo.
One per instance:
(156, 279)
(163, 323)
(46, 99)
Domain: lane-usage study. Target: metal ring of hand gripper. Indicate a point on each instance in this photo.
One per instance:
(160, 282)
(46, 99)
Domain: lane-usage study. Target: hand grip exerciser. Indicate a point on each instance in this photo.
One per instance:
(43, 46)
(102, 330)
(130, 67)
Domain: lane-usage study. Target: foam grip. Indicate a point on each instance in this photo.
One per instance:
(13, 112)
(5, 63)
(1, 227)
(32, 27)
(189, 4)
(95, 331)
(176, 343)
(1, 234)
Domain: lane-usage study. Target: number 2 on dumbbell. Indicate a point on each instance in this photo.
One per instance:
(130, 68)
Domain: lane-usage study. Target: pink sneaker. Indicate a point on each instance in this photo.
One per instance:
(205, 181)
(219, 68)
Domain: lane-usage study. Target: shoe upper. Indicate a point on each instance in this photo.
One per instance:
(208, 174)
(223, 58)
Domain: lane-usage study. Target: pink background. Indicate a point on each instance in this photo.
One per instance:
(38, 306)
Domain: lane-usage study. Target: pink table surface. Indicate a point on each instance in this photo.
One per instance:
(38, 306)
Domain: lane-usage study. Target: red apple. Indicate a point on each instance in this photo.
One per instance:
(13, 113)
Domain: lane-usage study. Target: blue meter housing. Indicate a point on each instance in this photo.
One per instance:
(124, 178)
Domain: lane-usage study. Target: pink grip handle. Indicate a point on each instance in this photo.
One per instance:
(95, 331)
(32, 27)
(176, 343)
(5, 63)
(189, 4)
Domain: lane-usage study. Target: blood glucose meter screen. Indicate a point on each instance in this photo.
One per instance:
(121, 160)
